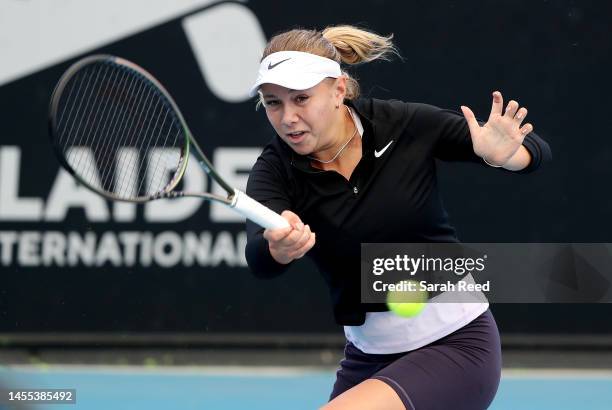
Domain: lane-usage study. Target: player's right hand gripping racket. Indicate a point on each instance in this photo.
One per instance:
(119, 133)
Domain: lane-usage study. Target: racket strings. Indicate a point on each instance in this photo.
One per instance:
(78, 101)
(118, 131)
(95, 124)
(99, 153)
(130, 138)
(159, 172)
(74, 101)
(116, 115)
(123, 187)
(135, 138)
(151, 141)
(84, 110)
(127, 157)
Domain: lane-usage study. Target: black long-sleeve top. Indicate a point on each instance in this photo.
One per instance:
(390, 198)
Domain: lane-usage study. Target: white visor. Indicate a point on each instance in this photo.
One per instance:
(295, 70)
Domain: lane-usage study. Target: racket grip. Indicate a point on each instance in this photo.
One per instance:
(257, 212)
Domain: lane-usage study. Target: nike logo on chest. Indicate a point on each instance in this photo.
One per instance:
(377, 154)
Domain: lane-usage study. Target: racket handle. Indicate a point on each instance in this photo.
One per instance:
(256, 212)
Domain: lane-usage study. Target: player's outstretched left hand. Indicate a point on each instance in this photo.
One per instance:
(502, 135)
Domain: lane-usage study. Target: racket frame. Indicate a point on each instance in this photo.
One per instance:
(190, 144)
(235, 199)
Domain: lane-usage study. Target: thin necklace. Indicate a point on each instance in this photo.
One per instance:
(342, 147)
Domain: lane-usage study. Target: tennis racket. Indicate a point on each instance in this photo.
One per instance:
(118, 132)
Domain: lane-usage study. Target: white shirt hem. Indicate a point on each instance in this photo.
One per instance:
(405, 344)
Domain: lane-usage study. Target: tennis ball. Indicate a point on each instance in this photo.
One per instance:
(408, 300)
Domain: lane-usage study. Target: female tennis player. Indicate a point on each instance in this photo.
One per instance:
(345, 170)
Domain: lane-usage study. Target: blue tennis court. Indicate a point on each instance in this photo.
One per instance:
(255, 388)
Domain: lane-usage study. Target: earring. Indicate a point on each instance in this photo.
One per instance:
(337, 106)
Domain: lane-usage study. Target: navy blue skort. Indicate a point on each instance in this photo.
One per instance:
(460, 371)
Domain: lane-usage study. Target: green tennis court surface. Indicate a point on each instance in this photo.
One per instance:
(233, 388)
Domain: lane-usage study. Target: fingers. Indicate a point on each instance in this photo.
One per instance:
(471, 120)
(297, 238)
(526, 129)
(521, 114)
(307, 246)
(275, 235)
(293, 219)
(302, 245)
(517, 115)
(498, 103)
(294, 246)
(292, 242)
(511, 109)
(278, 234)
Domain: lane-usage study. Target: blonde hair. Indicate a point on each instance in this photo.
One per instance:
(343, 44)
